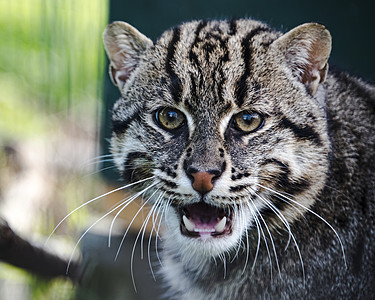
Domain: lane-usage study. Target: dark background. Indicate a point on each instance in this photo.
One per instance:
(351, 23)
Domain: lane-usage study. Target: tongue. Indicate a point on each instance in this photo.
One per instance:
(202, 228)
(204, 220)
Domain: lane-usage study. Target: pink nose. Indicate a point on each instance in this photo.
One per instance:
(202, 182)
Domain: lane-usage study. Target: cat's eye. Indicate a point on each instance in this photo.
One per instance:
(246, 121)
(170, 118)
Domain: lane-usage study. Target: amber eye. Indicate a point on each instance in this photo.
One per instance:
(246, 121)
(170, 118)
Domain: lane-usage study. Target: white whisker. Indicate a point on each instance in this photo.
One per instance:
(86, 231)
(278, 214)
(314, 213)
(157, 211)
(157, 205)
(99, 161)
(92, 200)
(247, 252)
(128, 201)
(259, 238)
(100, 170)
(134, 217)
(239, 243)
(101, 158)
(155, 222)
(225, 267)
(147, 219)
(286, 224)
(246, 245)
(262, 231)
(144, 225)
(223, 260)
(158, 229)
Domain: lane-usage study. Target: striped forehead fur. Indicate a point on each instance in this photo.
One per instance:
(207, 54)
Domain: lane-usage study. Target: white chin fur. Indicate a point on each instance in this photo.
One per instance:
(209, 247)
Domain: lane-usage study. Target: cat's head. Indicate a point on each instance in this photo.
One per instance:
(223, 124)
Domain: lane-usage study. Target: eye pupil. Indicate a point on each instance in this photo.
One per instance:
(169, 118)
(248, 118)
(248, 121)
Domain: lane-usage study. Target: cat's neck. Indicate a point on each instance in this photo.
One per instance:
(350, 106)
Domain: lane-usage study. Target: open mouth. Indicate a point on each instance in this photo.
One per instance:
(203, 220)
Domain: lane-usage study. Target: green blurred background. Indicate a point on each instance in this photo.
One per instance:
(55, 100)
(51, 70)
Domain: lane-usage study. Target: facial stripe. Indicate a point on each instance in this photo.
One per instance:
(194, 59)
(192, 56)
(168, 171)
(283, 179)
(223, 80)
(232, 27)
(168, 183)
(241, 86)
(132, 169)
(160, 135)
(238, 188)
(121, 126)
(268, 211)
(304, 132)
(214, 42)
(175, 82)
(193, 93)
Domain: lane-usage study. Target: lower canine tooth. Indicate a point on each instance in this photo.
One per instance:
(219, 227)
(190, 226)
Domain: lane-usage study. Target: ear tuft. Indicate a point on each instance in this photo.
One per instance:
(124, 45)
(306, 49)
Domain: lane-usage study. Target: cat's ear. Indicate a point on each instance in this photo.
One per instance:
(306, 49)
(124, 45)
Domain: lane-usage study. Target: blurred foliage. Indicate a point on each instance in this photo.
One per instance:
(51, 71)
(38, 289)
(51, 58)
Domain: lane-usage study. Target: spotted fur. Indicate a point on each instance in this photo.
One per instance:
(299, 189)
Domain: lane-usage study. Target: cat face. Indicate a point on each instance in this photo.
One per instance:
(223, 125)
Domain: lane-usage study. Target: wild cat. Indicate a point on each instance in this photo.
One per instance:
(258, 160)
